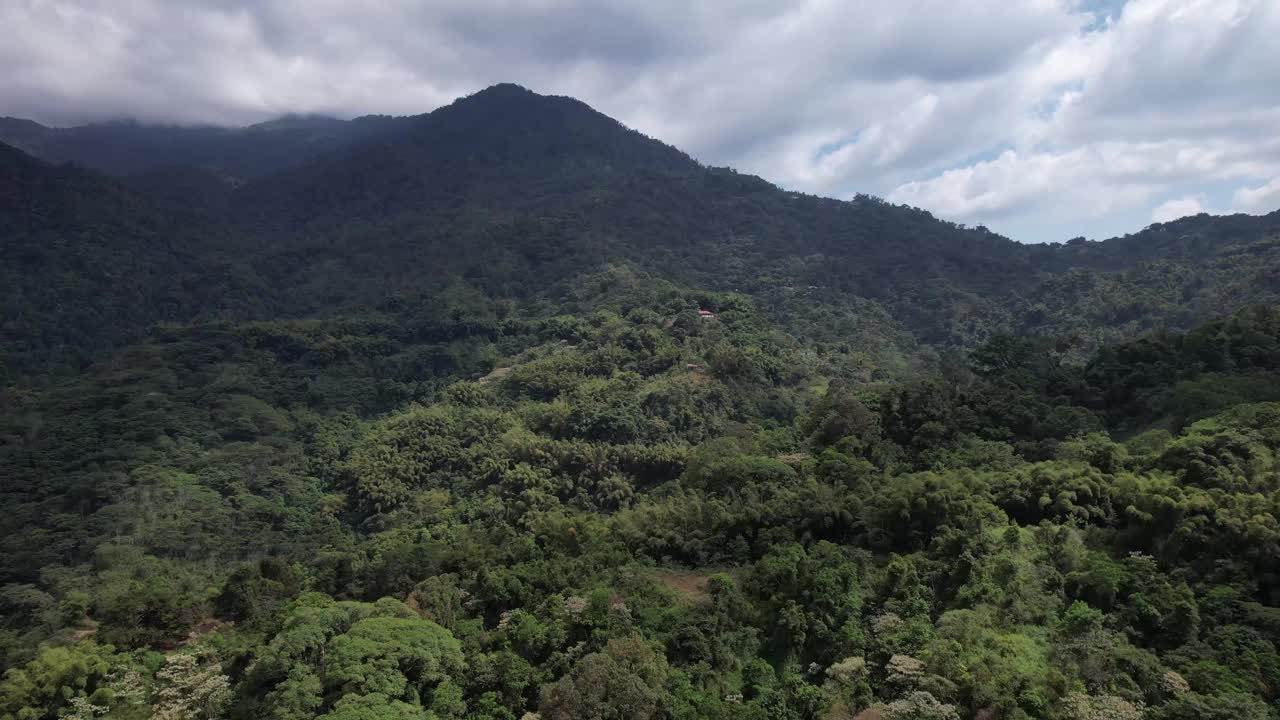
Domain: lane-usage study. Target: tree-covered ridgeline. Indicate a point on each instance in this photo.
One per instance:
(510, 192)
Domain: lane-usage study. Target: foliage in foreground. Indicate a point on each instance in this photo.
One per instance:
(642, 514)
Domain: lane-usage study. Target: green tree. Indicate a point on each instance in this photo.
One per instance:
(45, 686)
(188, 690)
(624, 681)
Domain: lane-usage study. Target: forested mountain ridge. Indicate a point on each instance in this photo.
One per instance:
(88, 265)
(127, 147)
(507, 411)
(507, 185)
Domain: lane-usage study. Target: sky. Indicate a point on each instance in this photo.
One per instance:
(1043, 120)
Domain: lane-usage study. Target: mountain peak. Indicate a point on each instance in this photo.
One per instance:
(518, 122)
(497, 142)
(513, 100)
(505, 89)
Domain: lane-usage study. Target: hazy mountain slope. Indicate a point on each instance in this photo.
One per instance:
(512, 191)
(508, 187)
(124, 148)
(507, 183)
(87, 265)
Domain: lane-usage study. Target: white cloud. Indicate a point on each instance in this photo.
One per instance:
(1177, 208)
(1027, 116)
(1089, 182)
(1261, 199)
(1167, 98)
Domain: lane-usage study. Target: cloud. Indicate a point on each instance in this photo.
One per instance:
(1086, 182)
(1258, 199)
(1177, 208)
(1039, 118)
(1164, 99)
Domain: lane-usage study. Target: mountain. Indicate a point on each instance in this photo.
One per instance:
(507, 181)
(507, 189)
(88, 265)
(505, 144)
(507, 408)
(127, 147)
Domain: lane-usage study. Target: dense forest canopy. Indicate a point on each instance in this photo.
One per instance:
(507, 411)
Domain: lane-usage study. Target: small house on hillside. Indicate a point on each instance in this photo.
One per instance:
(706, 314)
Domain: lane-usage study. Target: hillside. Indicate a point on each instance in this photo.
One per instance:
(127, 148)
(506, 188)
(88, 265)
(508, 409)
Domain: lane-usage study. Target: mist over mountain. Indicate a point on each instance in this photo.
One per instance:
(507, 408)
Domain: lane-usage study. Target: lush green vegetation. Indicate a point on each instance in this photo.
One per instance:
(462, 445)
(506, 189)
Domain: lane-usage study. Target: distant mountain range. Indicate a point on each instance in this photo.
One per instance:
(512, 193)
(127, 147)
